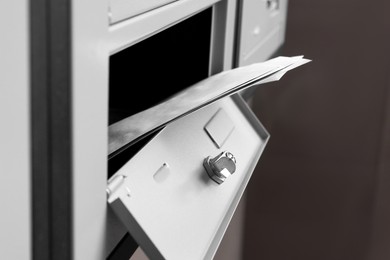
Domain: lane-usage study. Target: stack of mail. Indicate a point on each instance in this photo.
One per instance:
(131, 129)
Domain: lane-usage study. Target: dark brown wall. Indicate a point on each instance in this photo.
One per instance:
(322, 187)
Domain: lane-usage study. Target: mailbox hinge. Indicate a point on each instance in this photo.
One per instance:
(114, 184)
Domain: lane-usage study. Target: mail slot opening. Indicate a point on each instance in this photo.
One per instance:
(150, 71)
(154, 69)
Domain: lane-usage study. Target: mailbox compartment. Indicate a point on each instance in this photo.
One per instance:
(261, 29)
(145, 73)
(164, 195)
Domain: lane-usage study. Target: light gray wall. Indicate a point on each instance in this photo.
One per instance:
(15, 224)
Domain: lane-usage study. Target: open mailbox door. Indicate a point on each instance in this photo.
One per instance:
(164, 195)
(176, 196)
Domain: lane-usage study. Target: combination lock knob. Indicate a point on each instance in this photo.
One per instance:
(220, 167)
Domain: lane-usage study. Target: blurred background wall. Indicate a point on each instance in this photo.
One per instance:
(322, 187)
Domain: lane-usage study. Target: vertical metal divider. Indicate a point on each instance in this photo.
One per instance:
(222, 36)
(61, 123)
(218, 33)
(237, 33)
(50, 73)
(40, 132)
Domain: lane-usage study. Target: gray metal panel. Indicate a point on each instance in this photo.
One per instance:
(89, 130)
(186, 215)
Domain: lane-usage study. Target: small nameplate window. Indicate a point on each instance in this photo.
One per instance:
(219, 127)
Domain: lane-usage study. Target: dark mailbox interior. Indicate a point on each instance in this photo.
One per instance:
(151, 71)
(156, 68)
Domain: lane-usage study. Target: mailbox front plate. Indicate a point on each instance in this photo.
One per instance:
(168, 202)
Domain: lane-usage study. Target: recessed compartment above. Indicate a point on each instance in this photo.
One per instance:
(123, 9)
(261, 29)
